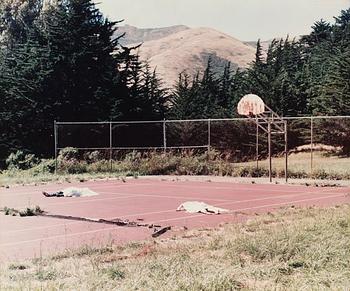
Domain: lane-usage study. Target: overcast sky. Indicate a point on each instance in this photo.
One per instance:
(243, 19)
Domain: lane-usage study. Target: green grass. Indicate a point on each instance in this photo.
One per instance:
(293, 249)
(136, 164)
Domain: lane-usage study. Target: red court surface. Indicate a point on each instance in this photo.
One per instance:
(153, 201)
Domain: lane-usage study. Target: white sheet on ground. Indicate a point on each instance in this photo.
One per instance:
(78, 192)
(200, 207)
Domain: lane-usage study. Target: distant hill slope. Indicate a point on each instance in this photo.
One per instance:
(138, 35)
(188, 51)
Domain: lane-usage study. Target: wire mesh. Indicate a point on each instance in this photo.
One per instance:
(83, 135)
(137, 135)
(316, 145)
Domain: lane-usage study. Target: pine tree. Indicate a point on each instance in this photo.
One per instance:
(225, 93)
(181, 106)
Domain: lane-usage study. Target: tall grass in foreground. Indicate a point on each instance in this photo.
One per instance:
(294, 249)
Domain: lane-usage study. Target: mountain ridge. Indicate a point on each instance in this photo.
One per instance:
(181, 49)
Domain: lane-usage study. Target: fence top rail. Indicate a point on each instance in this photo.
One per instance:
(138, 148)
(194, 120)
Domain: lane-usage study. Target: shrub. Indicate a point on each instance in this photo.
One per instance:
(68, 154)
(94, 157)
(22, 161)
(73, 167)
(45, 166)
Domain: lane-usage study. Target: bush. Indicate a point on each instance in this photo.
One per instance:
(94, 157)
(20, 160)
(73, 167)
(68, 154)
(45, 166)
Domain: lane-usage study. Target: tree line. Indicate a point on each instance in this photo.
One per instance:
(62, 60)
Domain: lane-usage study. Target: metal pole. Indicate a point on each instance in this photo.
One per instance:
(110, 146)
(55, 138)
(286, 150)
(269, 146)
(257, 143)
(209, 133)
(311, 144)
(164, 135)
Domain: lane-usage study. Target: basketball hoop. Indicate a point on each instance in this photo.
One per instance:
(251, 105)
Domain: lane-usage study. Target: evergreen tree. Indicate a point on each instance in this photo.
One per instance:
(181, 106)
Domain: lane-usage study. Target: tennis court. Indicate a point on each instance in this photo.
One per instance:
(147, 201)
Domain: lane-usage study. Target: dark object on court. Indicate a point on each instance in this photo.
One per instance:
(161, 231)
(53, 194)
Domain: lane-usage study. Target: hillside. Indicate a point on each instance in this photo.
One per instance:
(188, 51)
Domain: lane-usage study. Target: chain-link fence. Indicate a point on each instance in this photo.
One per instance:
(317, 145)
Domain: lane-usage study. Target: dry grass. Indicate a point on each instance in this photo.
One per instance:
(294, 249)
(323, 163)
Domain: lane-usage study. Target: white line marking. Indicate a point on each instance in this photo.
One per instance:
(59, 187)
(60, 236)
(249, 208)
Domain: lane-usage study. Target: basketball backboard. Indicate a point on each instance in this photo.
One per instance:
(251, 105)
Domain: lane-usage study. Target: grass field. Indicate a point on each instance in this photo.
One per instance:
(301, 162)
(292, 249)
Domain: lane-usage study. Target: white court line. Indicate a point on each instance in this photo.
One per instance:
(75, 201)
(82, 185)
(172, 210)
(250, 208)
(253, 188)
(214, 199)
(127, 196)
(42, 227)
(157, 183)
(59, 236)
(168, 196)
(233, 187)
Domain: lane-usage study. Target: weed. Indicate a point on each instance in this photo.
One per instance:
(44, 275)
(17, 267)
(292, 249)
(114, 273)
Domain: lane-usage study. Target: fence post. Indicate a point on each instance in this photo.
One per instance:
(269, 146)
(311, 145)
(110, 147)
(257, 144)
(286, 149)
(55, 138)
(164, 135)
(209, 134)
